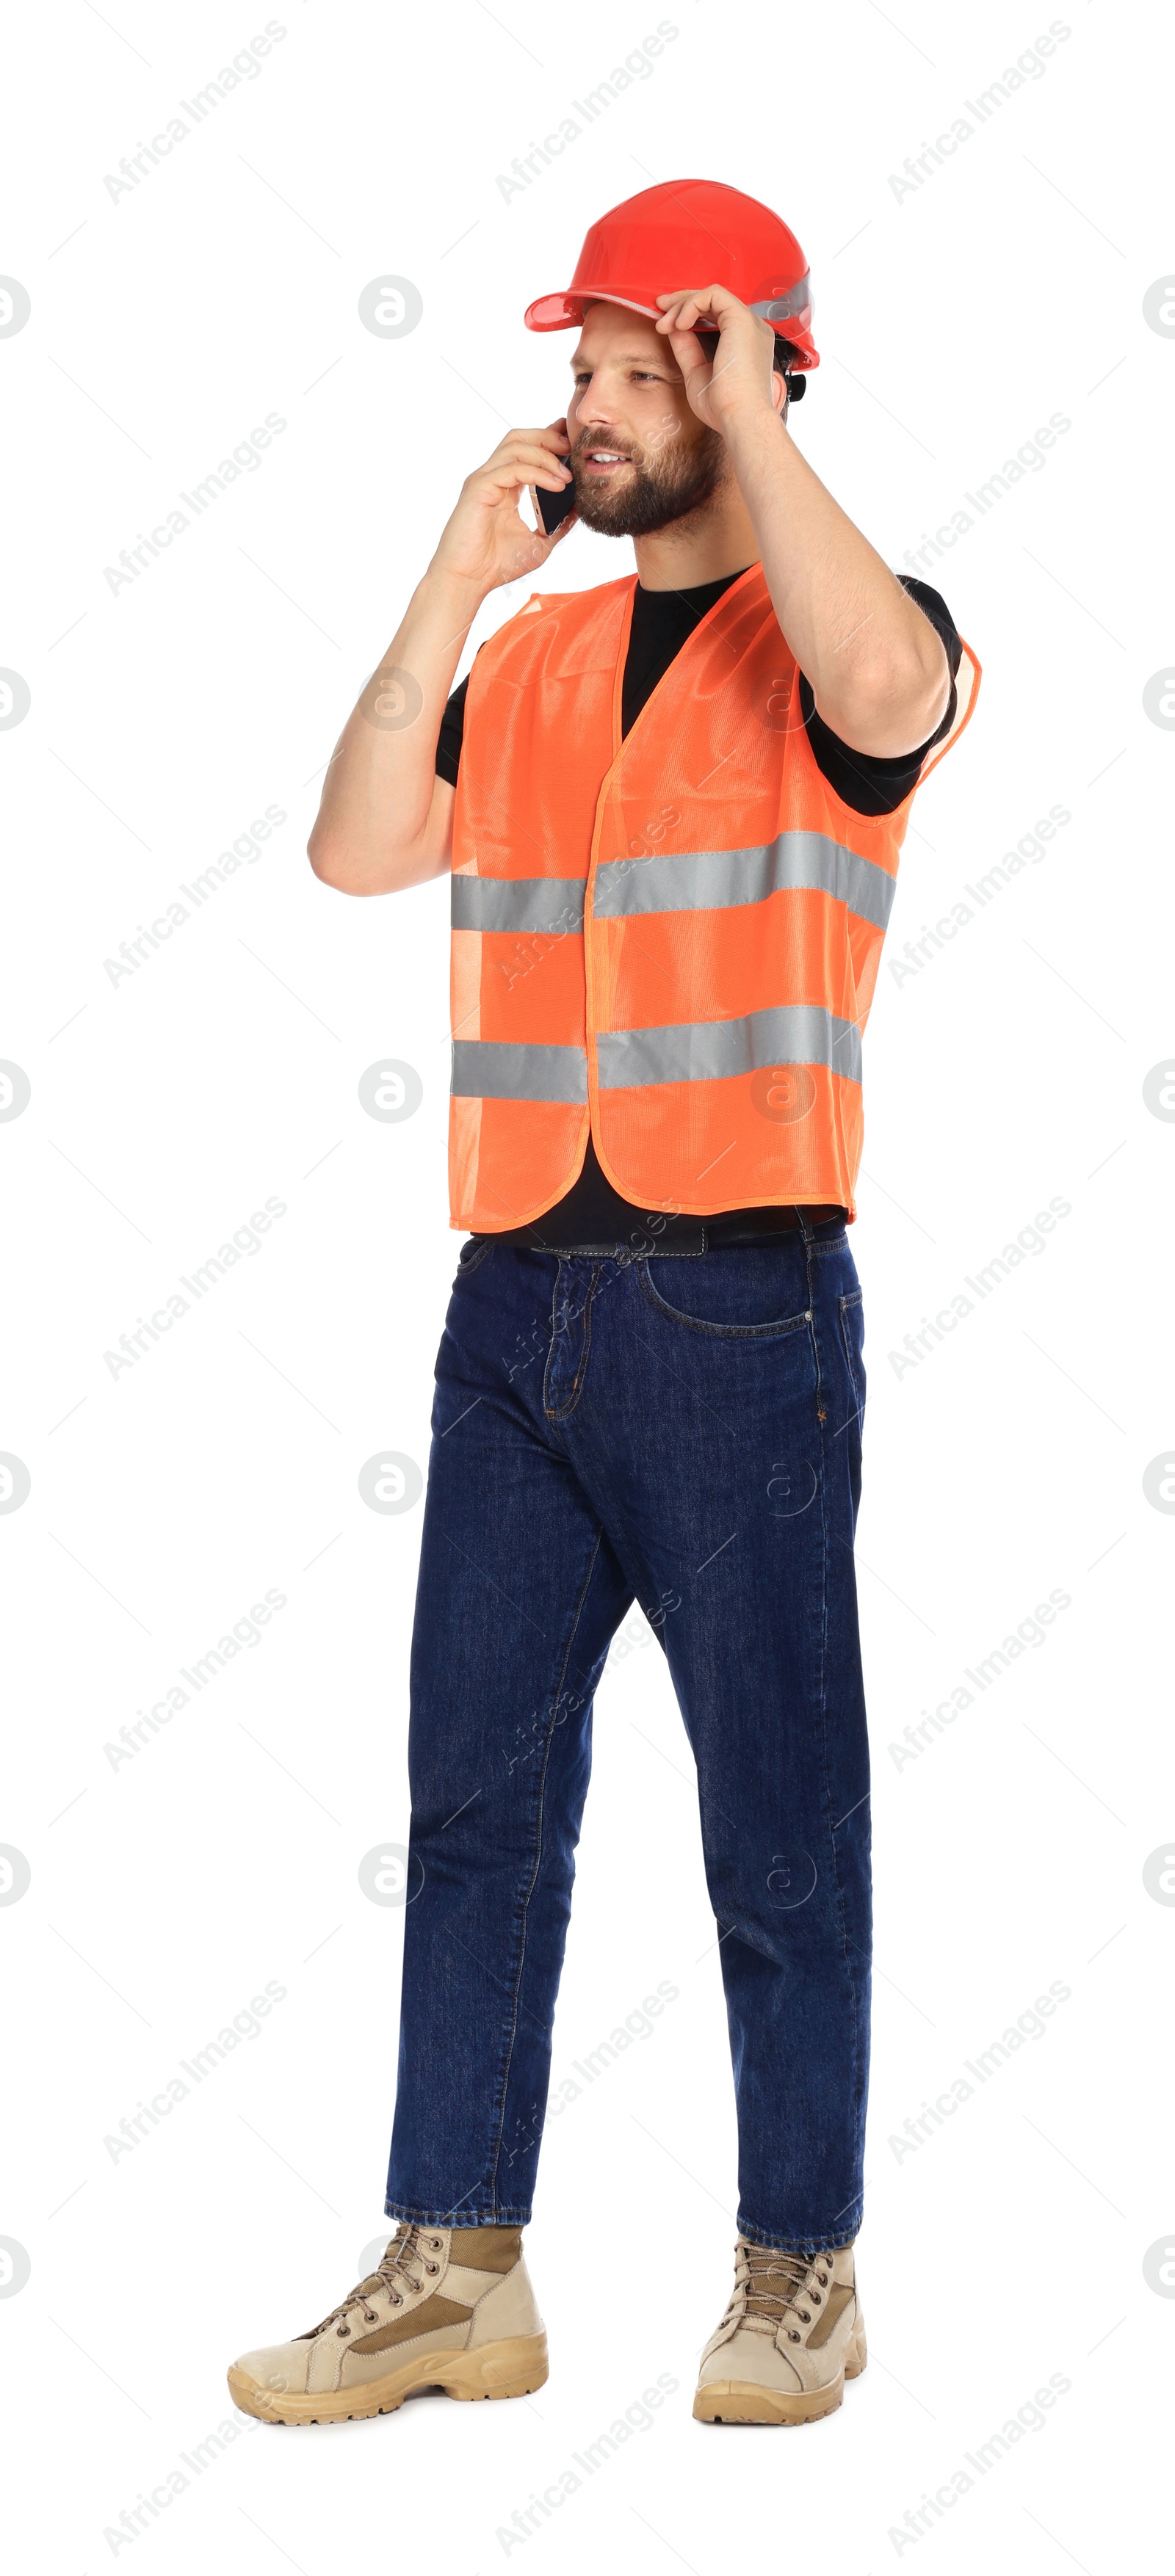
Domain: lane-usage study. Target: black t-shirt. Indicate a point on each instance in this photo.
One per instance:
(592, 1211)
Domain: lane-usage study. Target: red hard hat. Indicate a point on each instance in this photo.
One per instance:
(689, 232)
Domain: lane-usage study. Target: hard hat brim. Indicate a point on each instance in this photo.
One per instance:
(565, 312)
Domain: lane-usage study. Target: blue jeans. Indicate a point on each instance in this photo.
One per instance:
(685, 1432)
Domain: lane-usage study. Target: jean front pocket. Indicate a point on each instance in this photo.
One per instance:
(741, 1293)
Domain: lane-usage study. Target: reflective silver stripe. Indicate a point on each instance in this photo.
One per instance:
(711, 1050)
(782, 308)
(483, 1069)
(708, 880)
(518, 903)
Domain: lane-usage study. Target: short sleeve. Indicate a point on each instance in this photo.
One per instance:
(449, 739)
(867, 784)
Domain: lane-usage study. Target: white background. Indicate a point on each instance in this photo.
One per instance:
(954, 320)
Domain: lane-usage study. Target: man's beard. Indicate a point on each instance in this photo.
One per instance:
(662, 488)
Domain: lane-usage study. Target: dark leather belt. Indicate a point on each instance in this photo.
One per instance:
(678, 1236)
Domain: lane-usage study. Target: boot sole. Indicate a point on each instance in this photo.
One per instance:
(511, 2368)
(744, 2401)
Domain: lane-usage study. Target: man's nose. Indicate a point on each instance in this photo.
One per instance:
(591, 409)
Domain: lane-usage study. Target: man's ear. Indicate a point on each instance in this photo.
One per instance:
(778, 391)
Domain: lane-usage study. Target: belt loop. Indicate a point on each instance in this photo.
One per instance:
(806, 1229)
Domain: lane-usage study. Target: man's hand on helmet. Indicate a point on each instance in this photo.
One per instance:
(740, 379)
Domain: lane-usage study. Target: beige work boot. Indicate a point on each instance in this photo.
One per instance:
(449, 2308)
(791, 2336)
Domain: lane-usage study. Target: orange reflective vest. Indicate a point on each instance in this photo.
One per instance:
(673, 938)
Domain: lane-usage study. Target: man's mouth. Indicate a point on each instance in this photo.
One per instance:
(599, 462)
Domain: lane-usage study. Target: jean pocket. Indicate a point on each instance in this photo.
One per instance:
(742, 1293)
(852, 1333)
(470, 1258)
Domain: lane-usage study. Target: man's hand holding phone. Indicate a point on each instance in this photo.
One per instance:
(386, 818)
(487, 541)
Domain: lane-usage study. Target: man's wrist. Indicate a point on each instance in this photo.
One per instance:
(755, 430)
(455, 592)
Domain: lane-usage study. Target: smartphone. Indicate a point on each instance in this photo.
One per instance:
(552, 507)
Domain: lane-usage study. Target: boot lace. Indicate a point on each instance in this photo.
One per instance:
(410, 2245)
(769, 2288)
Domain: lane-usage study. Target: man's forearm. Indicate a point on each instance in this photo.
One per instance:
(877, 668)
(372, 831)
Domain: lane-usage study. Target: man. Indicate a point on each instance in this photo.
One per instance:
(673, 810)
